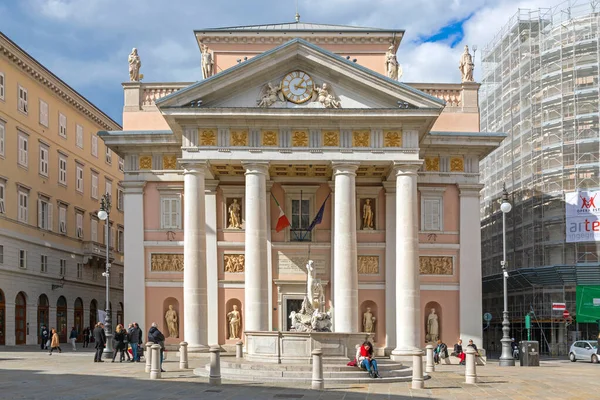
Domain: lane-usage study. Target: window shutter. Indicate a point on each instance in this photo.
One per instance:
(50, 219)
(94, 230)
(165, 213)
(431, 214)
(40, 214)
(178, 213)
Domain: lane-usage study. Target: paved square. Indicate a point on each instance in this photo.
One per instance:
(28, 373)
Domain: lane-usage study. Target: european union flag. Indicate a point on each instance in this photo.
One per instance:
(319, 216)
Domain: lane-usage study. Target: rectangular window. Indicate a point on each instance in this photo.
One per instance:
(23, 107)
(120, 241)
(79, 271)
(43, 160)
(44, 215)
(2, 138)
(80, 225)
(79, 138)
(300, 220)
(23, 215)
(1, 254)
(94, 145)
(121, 164)
(23, 259)
(62, 170)
(62, 220)
(108, 187)
(43, 113)
(94, 230)
(94, 185)
(23, 150)
(108, 155)
(79, 177)
(2, 198)
(111, 238)
(2, 86)
(62, 125)
(432, 214)
(120, 279)
(44, 263)
(63, 267)
(171, 213)
(119, 199)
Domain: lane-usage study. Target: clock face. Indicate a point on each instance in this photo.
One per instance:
(297, 87)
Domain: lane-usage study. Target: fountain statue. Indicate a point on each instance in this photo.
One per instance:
(312, 316)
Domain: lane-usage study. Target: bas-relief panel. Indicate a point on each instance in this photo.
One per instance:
(368, 265)
(145, 162)
(457, 164)
(169, 162)
(432, 265)
(361, 139)
(294, 264)
(432, 163)
(300, 139)
(208, 137)
(270, 138)
(238, 137)
(166, 262)
(392, 138)
(234, 263)
(331, 138)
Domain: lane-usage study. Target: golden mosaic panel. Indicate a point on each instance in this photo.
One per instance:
(270, 138)
(145, 162)
(377, 171)
(299, 139)
(238, 138)
(300, 170)
(361, 139)
(392, 138)
(208, 137)
(331, 138)
(169, 162)
(457, 164)
(166, 262)
(432, 163)
(234, 263)
(368, 265)
(435, 265)
(227, 169)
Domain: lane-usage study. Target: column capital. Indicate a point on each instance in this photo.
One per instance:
(256, 167)
(269, 185)
(194, 166)
(133, 187)
(469, 189)
(344, 168)
(406, 167)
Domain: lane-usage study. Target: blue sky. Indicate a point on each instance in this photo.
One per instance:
(86, 42)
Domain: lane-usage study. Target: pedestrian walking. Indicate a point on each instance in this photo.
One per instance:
(86, 337)
(45, 335)
(73, 338)
(100, 341)
(135, 340)
(55, 342)
(156, 336)
(121, 345)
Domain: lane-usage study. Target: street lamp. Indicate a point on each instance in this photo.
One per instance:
(104, 214)
(506, 359)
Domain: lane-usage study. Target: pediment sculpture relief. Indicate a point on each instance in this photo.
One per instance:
(298, 87)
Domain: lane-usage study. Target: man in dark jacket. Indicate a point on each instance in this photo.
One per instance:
(135, 339)
(156, 336)
(100, 340)
(45, 336)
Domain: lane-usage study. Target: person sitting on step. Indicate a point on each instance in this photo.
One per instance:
(364, 359)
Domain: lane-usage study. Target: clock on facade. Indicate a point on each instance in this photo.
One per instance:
(297, 87)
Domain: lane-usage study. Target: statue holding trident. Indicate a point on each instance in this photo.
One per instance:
(310, 279)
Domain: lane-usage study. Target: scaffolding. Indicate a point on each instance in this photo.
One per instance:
(541, 86)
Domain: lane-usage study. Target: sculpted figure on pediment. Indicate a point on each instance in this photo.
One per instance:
(270, 95)
(326, 96)
(392, 67)
(134, 66)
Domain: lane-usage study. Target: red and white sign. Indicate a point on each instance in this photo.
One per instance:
(559, 307)
(566, 314)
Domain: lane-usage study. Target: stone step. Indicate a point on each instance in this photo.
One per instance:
(352, 373)
(248, 365)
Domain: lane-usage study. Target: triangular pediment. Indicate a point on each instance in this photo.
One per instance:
(264, 82)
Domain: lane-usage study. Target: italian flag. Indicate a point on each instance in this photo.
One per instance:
(282, 222)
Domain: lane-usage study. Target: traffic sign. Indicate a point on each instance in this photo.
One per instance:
(566, 314)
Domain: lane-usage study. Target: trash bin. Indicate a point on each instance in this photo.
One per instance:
(529, 353)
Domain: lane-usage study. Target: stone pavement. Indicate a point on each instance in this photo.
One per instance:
(28, 373)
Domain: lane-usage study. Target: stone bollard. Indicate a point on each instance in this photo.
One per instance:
(470, 370)
(418, 382)
(183, 355)
(239, 349)
(429, 366)
(155, 371)
(148, 356)
(215, 366)
(317, 370)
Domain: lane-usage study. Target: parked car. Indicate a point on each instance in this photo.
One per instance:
(584, 350)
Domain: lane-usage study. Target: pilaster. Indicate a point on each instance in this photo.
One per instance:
(212, 279)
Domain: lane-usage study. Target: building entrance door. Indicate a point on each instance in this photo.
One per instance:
(291, 305)
(43, 312)
(20, 319)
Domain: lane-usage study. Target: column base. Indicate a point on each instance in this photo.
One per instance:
(197, 348)
(405, 354)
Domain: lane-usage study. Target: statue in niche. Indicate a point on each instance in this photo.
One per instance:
(391, 64)
(326, 97)
(235, 321)
(367, 215)
(207, 62)
(368, 321)
(433, 328)
(171, 318)
(466, 66)
(235, 220)
(269, 95)
(134, 66)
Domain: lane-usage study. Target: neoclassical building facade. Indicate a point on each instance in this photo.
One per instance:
(378, 179)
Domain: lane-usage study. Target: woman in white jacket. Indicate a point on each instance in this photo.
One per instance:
(364, 359)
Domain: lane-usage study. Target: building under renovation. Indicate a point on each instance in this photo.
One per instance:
(540, 85)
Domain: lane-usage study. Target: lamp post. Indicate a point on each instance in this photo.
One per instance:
(506, 359)
(103, 214)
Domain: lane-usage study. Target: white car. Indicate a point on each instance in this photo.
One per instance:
(584, 350)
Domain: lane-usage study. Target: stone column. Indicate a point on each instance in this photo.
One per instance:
(345, 273)
(408, 292)
(390, 266)
(134, 276)
(256, 309)
(194, 257)
(470, 297)
(269, 185)
(212, 279)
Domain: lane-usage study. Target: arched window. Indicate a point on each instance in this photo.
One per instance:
(61, 318)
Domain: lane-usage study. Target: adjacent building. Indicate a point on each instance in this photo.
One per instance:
(302, 120)
(540, 85)
(53, 172)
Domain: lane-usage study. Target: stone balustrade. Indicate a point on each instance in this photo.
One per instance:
(450, 93)
(152, 92)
